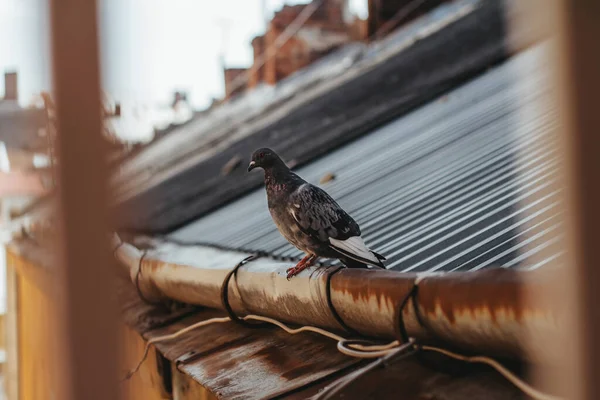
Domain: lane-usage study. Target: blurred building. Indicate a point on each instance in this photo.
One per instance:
(328, 28)
(235, 81)
(23, 142)
(19, 127)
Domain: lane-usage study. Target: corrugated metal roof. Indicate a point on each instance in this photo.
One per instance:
(181, 179)
(460, 184)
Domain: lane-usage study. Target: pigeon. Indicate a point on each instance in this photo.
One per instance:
(310, 219)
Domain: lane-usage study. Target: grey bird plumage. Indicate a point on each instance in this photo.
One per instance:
(309, 218)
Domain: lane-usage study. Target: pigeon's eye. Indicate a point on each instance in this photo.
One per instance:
(261, 155)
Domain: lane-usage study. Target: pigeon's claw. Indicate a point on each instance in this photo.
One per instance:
(293, 271)
(304, 263)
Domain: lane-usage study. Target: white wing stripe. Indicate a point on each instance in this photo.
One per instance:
(355, 245)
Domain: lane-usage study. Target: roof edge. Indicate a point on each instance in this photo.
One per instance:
(479, 311)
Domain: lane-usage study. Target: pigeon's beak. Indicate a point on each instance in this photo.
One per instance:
(251, 166)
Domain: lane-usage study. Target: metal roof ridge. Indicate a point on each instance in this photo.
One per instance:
(478, 311)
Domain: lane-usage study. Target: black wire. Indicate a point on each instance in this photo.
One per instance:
(413, 294)
(401, 331)
(137, 282)
(335, 314)
(418, 315)
(225, 294)
(408, 348)
(404, 351)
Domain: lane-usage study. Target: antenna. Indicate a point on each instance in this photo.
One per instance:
(265, 13)
(225, 26)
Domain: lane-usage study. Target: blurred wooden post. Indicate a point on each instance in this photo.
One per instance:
(579, 87)
(86, 323)
(11, 377)
(576, 63)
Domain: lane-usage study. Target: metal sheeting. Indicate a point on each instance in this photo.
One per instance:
(462, 183)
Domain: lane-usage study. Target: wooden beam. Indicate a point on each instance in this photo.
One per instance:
(87, 338)
(36, 373)
(186, 388)
(575, 62)
(11, 376)
(147, 383)
(579, 87)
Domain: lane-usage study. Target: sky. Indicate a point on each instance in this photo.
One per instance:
(149, 48)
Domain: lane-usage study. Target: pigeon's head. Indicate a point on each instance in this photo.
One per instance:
(264, 158)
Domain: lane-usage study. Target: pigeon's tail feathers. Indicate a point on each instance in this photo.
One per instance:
(379, 256)
(355, 249)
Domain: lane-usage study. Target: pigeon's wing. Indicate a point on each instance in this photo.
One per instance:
(319, 216)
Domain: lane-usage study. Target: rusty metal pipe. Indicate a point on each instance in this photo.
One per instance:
(478, 311)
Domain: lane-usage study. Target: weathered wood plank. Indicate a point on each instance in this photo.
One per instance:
(437, 378)
(86, 315)
(185, 388)
(33, 262)
(575, 63)
(147, 383)
(12, 329)
(36, 340)
(272, 364)
(233, 361)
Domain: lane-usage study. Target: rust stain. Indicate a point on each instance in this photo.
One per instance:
(485, 306)
(289, 309)
(488, 292)
(363, 285)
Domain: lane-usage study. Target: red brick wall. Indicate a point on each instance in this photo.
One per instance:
(257, 74)
(231, 76)
(294, 54)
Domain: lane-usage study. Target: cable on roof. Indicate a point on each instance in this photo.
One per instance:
(335, 314)
(225, 293)
(401, 331)
(405, 350)
(415, 299)
(410, 347)
(137, 279)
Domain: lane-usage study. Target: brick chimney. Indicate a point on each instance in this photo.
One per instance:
(10, 86)
(231, 76)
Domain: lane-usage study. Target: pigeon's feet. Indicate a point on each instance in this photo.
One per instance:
(303, 264)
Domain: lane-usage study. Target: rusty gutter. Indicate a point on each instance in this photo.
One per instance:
(480, 311)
